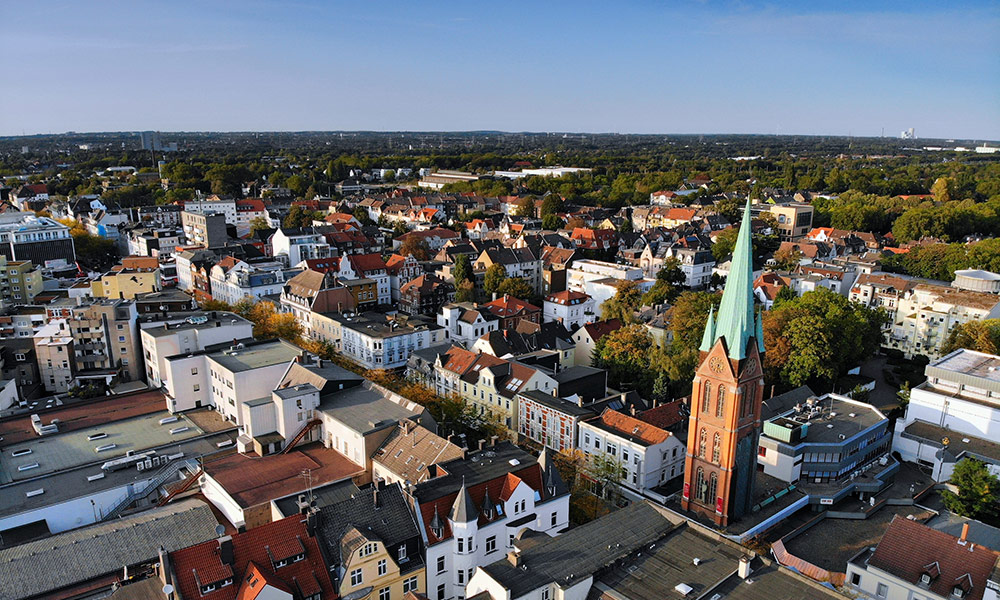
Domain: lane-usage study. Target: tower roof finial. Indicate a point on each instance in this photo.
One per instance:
(736, 322)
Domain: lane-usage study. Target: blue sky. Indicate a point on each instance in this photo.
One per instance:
(732, 66)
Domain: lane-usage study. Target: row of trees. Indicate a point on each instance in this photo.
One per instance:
(940, 261)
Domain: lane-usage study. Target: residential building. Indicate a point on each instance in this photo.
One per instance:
(465, 322)
(377, 341)
(134, 275)
(549, 345)
(794, 220)
(402, 269)
(510, 311)
(20, 282)
(408, 452)
(475, 509)
(234, 280)
(831, 440)
(213, 204)
(373, 544)
(187, 336)
(926, 313)
(586, 339)
(436, 237)
(277, 561)
(367, 266)
(293, 246)
(490, 384)
(550, 420)
(585, 275)
(572, 309)
(207, 230)
(953, 415)
(696, 262)
(425, 295)
(161, 241)
(517, 262)
(18, 364)
(913, 560)
(167, 215)
(310, 293)
(728, 388)
(25, 236)
(648, 456)
(106, 340)
(54, 352)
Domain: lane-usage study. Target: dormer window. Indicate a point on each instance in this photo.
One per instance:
(957, 592)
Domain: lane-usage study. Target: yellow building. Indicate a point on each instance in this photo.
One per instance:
(20, 281)
(375, 544)
(135, 275)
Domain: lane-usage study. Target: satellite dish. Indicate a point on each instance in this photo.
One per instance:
(220, 530)
(168, 589)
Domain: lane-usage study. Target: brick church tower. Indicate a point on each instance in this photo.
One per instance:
(726, 396)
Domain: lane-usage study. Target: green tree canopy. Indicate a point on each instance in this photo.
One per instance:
(552, 222)
(624, 353)
(462, 270)
(981, 336)
(551, 205)
(495, 275)
(516, 287)
(627, 300)
(978, 495)
(526, 207)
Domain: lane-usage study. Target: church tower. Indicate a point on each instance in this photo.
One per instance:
(726, 396)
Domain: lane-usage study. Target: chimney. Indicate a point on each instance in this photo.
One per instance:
(494, 439)
(482, 445)
(744, 568)
(311, 522)
(375, 486)
(226, 550)
(631, 410)
(965, 533)
(514, 558)
(164, 566)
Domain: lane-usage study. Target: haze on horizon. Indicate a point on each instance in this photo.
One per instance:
(735, 66)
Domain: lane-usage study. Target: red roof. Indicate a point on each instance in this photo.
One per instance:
(509, 306)
(499, 489)
(909, 549)
(600, 329)
(664, 416)
(366, 263)
(567, 297)
(253, 480)
(323, 265)
(631, 427)
(250, 205)
(255, 556)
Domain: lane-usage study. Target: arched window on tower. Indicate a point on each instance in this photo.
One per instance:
(745, 402)
(706, 399)
(716, 448)
(720, 402)
(700, 488)
(713, 486)
(702, 443)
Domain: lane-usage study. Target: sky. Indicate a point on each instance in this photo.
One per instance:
(819, 67)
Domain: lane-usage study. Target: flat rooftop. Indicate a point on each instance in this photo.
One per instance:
(969, 363)
(253, 480)
(161, 329)
(256, 356)
(477, 467)
(83, 415)
(838, 416)
(958, 442)
(366, 407)
(62, 451)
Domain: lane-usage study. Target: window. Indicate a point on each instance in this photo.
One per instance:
(194, 370)
(197, 387)
(720, 403)
(384, 593)
(700, 488)
(441, 589)
(553, 520)
(702, 442)
(356, 577)
(545, 594)
(882, 591)
(121, 338)
(410, 584)
(707, 397)
(461, 545)
(383, 567)
(18, 357)
(855, 578)
(461, 577)
(716, 448)
(440, 561)
(491, 544)
(762, 451)
(402, 553)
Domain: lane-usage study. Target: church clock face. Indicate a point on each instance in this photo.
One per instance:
(715, 364)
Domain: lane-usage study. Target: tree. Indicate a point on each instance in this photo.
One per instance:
(978, 495)
(552, 222)
(784, 294)
(817, 337)
(551, 205)
(416, 247)
(462, 270)
(607, 473)
(722, 249)
(361, 214)
(626, 226)
(526, 207)
(228, 179)
(668, 279)
(624, 303)
(517, 287)
(495, 275)
(301, 217)
(787, 259)
(981, 336)
(624, 353)
(259, 224)
(465, 291)
(210, 305)
(942, 189)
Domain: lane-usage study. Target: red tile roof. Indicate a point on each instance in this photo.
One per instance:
(567, 297)
(509, 306)
(664, 416)
(909, 548)
(631, 427)
(366, 263)
(600, 329)
(253, 566)
(252, 480)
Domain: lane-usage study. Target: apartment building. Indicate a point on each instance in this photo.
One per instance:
(161, 241)
(207, 230)
(20, 281)
(185, 336)
(794, 220)
(294, 245)
(572, 309)
(367, 266)
(517, 262)
(25, 236)
(134, 275)
(466, 322)
(927, 312)
(54, 353)
(233, 280)
(214, 204)
(106, 340)
(376, 341)
(474, 511)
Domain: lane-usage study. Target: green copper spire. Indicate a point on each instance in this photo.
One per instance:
(760, 331)
(736, 321)
(708, 340)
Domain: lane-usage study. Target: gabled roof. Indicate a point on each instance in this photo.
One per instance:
(410, 450)
(665, 415)
(599, 329)
(629, 428)
(383, 514)
(366, 263)
(908, 548)
(256, 550)
(509, 306)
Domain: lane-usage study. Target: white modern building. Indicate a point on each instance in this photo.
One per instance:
(186, 336)
(953, 415)
(572, 309)
(465, 323)
(293, 246)
(375, 342)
